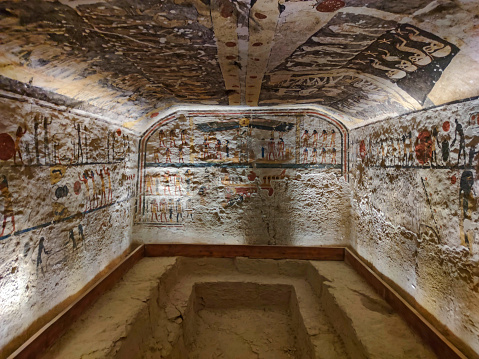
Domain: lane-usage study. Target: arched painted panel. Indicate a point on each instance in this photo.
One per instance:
(195, 162)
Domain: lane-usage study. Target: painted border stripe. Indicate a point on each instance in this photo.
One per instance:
(37, 344)
(443, 348)
(237, 165)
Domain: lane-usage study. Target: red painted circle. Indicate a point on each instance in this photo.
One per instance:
(118, 132)
(77, 187)
(227, 10)
(330, 5)
(154, 114)
(230, 57)
(446, 126)
(230, 44)
(7, 147)
(253, 77)
(453, 179)
(260, 15)
(256, 44)
(424, 147)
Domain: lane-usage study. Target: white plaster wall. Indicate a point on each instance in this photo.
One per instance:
(418, 240)
(32, 280)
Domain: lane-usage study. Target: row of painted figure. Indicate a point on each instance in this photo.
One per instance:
(171, 183)
(170, 210)
(430, 148)
(59, 148)
(314, 145)
(95, 195)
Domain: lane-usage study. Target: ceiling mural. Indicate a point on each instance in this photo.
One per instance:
(357, 62)
(122, 56)
(127, 59)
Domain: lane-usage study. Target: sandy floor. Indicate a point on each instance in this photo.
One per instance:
(178, 308)
(243, 333)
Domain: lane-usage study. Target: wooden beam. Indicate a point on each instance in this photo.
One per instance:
(231, 251)
(45, 337)
(443, 348)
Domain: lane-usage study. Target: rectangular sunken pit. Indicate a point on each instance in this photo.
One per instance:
(179, 308)
(243, 320)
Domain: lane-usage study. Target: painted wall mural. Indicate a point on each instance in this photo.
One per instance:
(66, 187)
(129, 51)
(415, 208)
(196, 163)
(78, 161)
(446, 152)
(361, 65)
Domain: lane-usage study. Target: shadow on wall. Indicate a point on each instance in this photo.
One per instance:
(267, 216)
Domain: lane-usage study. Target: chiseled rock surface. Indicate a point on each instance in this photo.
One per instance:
(414, 185)
(147, 314)
(359, 313)
(100, 332)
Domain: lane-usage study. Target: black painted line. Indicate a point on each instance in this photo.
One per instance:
(79, 214)
(425, 167)
(236, 165)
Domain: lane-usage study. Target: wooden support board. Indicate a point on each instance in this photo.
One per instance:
(231, 251)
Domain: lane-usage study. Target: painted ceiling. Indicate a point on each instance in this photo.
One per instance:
(127, 59)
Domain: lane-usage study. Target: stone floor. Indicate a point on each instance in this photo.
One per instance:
(240, 308)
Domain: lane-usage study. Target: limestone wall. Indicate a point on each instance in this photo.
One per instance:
(259, 177)
(403, 192)
(66, 185)
(414, 189)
